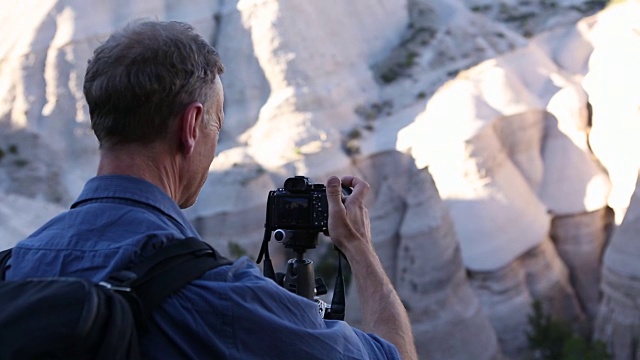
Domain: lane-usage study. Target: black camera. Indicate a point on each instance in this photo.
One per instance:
(299, 205)
(296, 214)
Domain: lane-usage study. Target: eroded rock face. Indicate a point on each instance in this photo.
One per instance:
(31, 168)
(618, 319)
(612, 85)
(475, 174)
(22, 215)
(580, 241)
(617, 324)
(506, 165)
(507, 295)
(413, 233)
(316, 74)
(484, 147)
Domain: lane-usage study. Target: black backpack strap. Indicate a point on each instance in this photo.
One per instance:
(5, 255)
(148, 283)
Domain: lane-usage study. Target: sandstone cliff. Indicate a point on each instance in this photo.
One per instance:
(499, 140)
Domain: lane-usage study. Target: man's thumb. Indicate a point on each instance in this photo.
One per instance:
(334, 192)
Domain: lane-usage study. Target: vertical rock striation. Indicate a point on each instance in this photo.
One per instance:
(413, 233)
(618, 319)
(580, 241)
(470, 179)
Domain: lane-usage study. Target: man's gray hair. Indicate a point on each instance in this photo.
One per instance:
(143, 76)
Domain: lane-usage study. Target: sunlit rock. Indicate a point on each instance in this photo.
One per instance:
(316, 77)
(613, 82)
(487, 137)
(508, 154)
(417, 244)
(473, 175)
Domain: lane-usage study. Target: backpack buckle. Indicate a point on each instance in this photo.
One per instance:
(114, 287)
(120, 281)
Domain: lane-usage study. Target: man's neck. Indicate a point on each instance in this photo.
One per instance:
(151, 163)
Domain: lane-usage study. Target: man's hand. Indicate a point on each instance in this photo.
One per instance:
(350, 230)
(349, 222)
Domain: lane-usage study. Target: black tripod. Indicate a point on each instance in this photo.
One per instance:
(299, 277)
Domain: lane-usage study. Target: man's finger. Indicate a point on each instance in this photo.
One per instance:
(360, 188)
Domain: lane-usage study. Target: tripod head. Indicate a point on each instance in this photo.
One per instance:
(299, 277)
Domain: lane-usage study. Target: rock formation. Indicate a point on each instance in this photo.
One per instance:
(618, 314)
(498, 139)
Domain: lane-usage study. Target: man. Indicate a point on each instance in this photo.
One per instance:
(156, 105)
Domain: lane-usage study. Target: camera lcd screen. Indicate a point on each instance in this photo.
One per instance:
(293, 211)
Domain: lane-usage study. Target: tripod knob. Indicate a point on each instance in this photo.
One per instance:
(279, 235)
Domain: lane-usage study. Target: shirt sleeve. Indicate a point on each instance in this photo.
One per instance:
(237, 313)
(373, 346)
(377, 347)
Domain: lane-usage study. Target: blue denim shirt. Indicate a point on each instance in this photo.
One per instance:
(231, 312)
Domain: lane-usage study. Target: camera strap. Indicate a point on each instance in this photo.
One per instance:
(267, 267)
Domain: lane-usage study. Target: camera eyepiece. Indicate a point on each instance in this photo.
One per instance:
(296, 184)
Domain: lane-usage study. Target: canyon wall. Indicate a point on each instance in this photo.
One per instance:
(498, 140)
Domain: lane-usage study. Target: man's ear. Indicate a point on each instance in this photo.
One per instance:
(190, 124)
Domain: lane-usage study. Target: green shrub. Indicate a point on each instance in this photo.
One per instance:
(236, 250)
(550, 339)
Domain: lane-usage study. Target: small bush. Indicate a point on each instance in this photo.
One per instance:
(389, 76)
(550, 339)
(21, 162)
(236, 250)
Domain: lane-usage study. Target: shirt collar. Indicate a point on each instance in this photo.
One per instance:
(131, 188)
